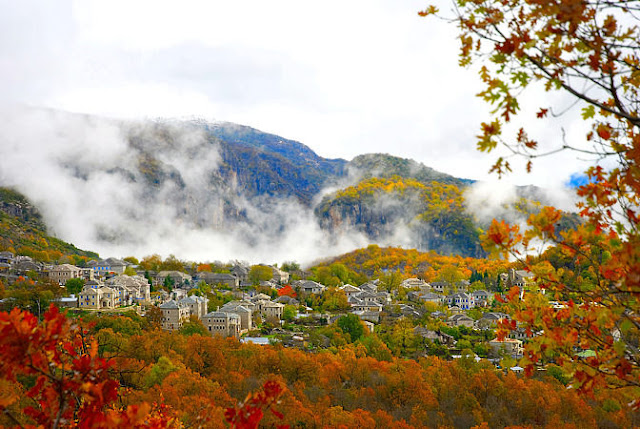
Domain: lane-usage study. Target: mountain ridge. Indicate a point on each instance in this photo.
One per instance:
(168, 182)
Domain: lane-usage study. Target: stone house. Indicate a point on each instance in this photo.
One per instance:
(197, 305)
(287, 300)
(440, 287)
(241, 272)
(309, 286)
(371, 316)
(243, 311)
(97, 298)
(173, 315)
(280, 276)
(461, 320)
(6, 258)
(61, 273)
(523, 279)
(369, 287)
(133, 289)
(178, 277)
(490, 320)
(431, 297)
(462, 300)
(481, 298)
(67, 301)
(350, 290)
(414, 283)
(269, 309)
(22, 266)
(107, 266)
(260, 297)
(222, 323)
(272, 310)
(358, 305)
(434, 336)
(215, 279)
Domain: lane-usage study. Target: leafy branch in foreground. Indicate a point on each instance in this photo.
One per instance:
(67, 384)
(588, 51)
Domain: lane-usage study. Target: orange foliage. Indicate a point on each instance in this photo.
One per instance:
(71, 382)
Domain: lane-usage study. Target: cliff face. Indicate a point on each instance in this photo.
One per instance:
(17, 206)
(398, 211)
(231, 165)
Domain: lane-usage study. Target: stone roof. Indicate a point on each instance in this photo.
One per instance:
(457, 317)
(260, 296)
(64, 267)
(170, 305)
(350, 288)
(222, 314)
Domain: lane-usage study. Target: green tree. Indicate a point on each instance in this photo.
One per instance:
(290, 266)
(171, 263)
(32, 296)
(403, 340)
(201, 289)
(147, 276)
(289, 313)
(168, 283)
(325, 276)
(341, 272)
(352, 325)
(159, 371)
(130, 271)
(74, 286)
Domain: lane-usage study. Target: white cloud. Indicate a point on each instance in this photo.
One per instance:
(344, 78)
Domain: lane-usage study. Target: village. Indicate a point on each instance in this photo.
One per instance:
(449, 320)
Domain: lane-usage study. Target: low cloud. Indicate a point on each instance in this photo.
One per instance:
(146, 187)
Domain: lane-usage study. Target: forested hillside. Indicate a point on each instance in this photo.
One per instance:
(374, 261)
(185, 379)
(23, 232)
(387, 166)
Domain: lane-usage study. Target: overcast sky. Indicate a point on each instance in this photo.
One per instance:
(343, 77)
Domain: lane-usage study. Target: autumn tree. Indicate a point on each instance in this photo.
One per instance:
(194, 326)
(260, 273)
(391, 281)
(154, 317)
(34, 296)
(151, 263)
(52, 376)
(131, 259)
(588, 52)
(171, 263)
(334, 299)
(130, 271)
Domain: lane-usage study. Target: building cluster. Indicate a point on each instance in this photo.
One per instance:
(107, 287)
(230, 320)
(116, 291)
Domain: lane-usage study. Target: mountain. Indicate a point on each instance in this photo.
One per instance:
(387, 166)
(267, 164)
(430, 216)
(222, 190)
